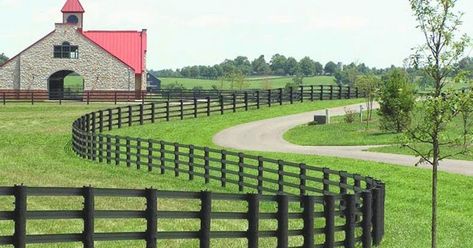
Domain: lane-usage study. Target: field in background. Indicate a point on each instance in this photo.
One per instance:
(252, 82)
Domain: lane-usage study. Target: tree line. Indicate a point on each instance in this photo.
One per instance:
(278, 65)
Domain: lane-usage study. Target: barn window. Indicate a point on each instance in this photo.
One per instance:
(66, 51)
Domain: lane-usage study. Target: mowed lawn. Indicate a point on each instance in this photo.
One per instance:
(408, 189)
(340, 133)
(251, 83)
(35, 150)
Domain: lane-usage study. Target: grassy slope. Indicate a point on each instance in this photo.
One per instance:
(341, 133)
(73, 82)
(252, 82)
(408, 200)
(34, 149)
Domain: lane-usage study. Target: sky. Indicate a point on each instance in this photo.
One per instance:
(188, 32)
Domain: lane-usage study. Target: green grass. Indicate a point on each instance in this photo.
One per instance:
(74, 82)
(340, 133)
(35, 150)
(252, 83)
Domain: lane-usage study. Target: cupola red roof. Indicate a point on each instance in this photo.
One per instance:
(73, 6)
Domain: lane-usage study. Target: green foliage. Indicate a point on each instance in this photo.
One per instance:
(368, 85)
(347, 76)
(307, 66)
(278, 64)
(350, 116)
(176, 86)
(292, 66)
(3, 58)
(260, 67)
(397, 100)
(330, 68)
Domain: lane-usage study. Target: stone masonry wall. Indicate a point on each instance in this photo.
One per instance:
(100, 70)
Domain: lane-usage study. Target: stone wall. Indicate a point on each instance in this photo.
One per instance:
(100, 70)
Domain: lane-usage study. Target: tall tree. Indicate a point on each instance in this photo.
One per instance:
(242, 64)
(292, 66)
(3, 58)
(307, 66)
(278, 64)
(260, 66)
(319, 68)
(330, 68)
(439, 22)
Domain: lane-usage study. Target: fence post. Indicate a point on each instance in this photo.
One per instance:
(329, 215)
(205, 219)
(167, 110)
(357, 93)
(195, 107)
(222, 107)
(176, 159)
(246, 100)
(109, 148)
(130, 116)
(128, 152)
(100, 121)
(308, 217)
(208, 106)
(291, 95)
(302, 178)
(32, 98)
(119, 117)
(181, 103)
(280, 96)
(100, 144)
(191, 162)
(302, 93)
(151, 218)
(269, 98)
(280, 176)
(110, 119)
(150, 155)
(117, 150)
(321, 92)
(311, 93)
(350, 220)
(88, 97)
(89, 218)
(142, 98)
(283, 221)
(257, 99)
(234, 102)
(253, 220)
(153, 112)
(349, 92)
(377, 217)
(223, 168)
(19, 237)
(138, 154)
(343, 182)
(367, 213)
(260, 174)
(162, 157)
(141, 114)
(206, 165)
(340, 88)
(115, 98)
(4, 98)
(241, 178)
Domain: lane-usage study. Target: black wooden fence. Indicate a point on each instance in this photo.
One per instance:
(337, 208)
(302, 93)
(324, 222)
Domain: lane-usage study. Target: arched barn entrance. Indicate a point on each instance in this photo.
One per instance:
(66, 85)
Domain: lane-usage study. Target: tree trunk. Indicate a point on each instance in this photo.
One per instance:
(434, 192)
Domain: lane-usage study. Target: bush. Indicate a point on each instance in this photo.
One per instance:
(350, 116)
(396, 101)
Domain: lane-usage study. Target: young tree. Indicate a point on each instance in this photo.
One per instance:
(368, 85)
(439, 22)
(397, 100)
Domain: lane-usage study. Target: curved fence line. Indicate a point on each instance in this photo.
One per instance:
(337, 209)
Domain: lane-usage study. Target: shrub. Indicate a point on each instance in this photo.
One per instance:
(350, 116)
(396, 101)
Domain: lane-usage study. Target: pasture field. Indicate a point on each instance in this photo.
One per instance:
(35, 150)
(340, 133)
(251, 83)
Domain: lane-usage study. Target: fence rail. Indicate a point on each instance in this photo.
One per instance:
(302, 93)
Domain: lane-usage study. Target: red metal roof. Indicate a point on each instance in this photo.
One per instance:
(128, 46)
(73, 6)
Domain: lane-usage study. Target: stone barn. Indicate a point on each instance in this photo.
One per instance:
(98, 62)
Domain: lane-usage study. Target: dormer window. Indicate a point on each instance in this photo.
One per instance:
(66, 51)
